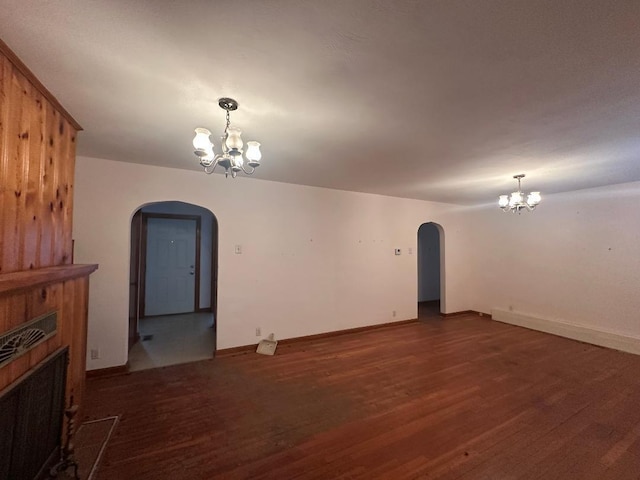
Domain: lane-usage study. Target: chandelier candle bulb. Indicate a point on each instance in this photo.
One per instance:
(534, 198)
(234, 141)
(253, 153)
(201, 142)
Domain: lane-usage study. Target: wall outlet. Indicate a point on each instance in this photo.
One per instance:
(258, 332)
(398, 251)
(393, 313)
(95, 354)
(238, 249)
(410, 251)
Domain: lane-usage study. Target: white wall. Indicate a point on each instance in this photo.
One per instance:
(428, 263)
(576, 259)
(206, 240)
(314, 260)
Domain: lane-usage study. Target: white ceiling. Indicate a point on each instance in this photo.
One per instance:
(435, 100)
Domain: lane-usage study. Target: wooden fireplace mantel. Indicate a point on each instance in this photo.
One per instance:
(28, 294)
(15, 282)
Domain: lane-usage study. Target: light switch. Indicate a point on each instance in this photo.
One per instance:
(398, 252)
(238, 249)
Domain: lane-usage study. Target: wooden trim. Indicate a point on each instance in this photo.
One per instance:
(230, 352)
(213, 300)
(347, 331)
(466, 312)
(226, 352)
(196, 301)
(108, 372)
(19, 281)
(457, 314)
(142, 281)
(28, 74)
(134, 271)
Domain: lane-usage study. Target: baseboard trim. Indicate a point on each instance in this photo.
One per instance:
(465, 312)
(457, 314)
(243, 349)
(108, 372)
(230, 352)
(567, 330)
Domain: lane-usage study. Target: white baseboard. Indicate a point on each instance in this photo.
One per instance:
(575, 332)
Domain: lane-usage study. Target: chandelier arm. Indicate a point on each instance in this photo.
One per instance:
(208, 169)
(248, 172)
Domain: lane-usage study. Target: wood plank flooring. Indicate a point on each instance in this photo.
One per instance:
(462, 398)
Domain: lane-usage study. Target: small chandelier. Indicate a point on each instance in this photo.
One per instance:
(516, 202)
(231, 157)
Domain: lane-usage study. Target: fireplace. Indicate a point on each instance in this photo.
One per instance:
(31, 416)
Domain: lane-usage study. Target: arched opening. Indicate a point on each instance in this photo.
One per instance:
(431, 285)
(173, 284)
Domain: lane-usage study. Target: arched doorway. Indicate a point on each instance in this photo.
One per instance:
(430, 270)
(173, 284)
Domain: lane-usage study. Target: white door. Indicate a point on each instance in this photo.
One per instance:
(171, 257)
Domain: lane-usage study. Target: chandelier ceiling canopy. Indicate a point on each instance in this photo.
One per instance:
(516, 202)
(231, 158)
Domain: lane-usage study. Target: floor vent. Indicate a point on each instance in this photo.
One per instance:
(20, 340)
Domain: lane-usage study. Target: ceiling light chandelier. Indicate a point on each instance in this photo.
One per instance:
(231, 157)
(516, 201)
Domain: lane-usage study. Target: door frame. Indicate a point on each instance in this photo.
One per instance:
(441, 245)
(134, 278)
(143, 257)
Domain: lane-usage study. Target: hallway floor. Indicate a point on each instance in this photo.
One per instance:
(173, 339)
(429, 310)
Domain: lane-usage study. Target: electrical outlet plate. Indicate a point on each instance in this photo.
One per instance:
(398, 251)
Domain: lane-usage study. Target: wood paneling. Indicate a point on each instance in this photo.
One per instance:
(463, 398)
(37, 161)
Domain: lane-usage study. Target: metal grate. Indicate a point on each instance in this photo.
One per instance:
(23, 338)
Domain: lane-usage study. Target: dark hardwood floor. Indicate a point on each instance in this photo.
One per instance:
(460, 398)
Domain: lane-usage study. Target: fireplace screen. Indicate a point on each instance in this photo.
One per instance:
(31, 413)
